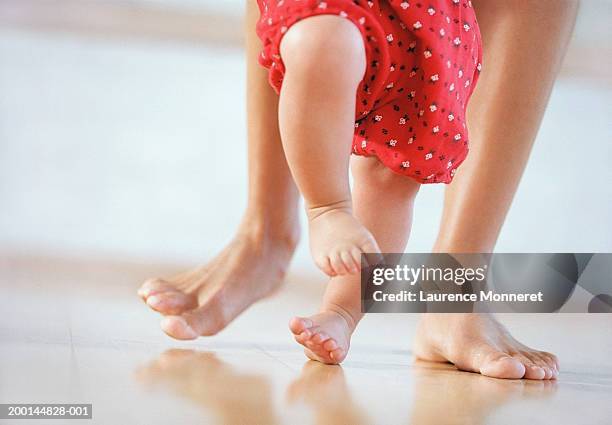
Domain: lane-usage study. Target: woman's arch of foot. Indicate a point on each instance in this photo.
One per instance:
(203, 301)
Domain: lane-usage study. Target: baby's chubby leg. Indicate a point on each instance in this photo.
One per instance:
(325, 60)
(383, 203)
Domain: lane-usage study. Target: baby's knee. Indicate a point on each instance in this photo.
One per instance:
(371, 171)
(325, 44)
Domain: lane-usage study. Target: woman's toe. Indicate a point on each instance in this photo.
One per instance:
(154, 286)
(504, 367)
(534, 372)
(171, 302)
(540, 362)
(177, 327)
(550, 361)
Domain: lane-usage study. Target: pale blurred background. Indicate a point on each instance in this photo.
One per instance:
(122, 135)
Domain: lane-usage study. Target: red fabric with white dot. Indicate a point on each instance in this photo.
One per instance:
(424, 58)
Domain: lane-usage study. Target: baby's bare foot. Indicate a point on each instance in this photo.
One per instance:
(326, 336)
(203, 301)
(478, 343)
(337, 240)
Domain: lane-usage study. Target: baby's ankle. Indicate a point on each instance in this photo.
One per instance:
(351, 318)
(319, 210)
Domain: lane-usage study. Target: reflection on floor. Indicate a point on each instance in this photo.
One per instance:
(74, 331)
(324, 390)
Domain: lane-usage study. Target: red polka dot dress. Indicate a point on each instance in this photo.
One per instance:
(424, 58)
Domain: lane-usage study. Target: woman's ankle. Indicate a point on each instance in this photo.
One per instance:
(264, 231)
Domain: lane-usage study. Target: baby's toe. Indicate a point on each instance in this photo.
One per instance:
(356, 254)
(349, 261)
(302, 338)
(337, 264)
(330, 345)
(319, 338)
(305, 336)
(337, 355)
(374, 256)
(298, 325)
(324, 264)
(370, 246)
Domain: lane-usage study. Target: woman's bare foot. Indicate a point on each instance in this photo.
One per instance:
(203, 301)
(326, 336)
(337, 240)
(478, 343)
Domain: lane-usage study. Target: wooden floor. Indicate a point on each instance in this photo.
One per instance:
(74, 331)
